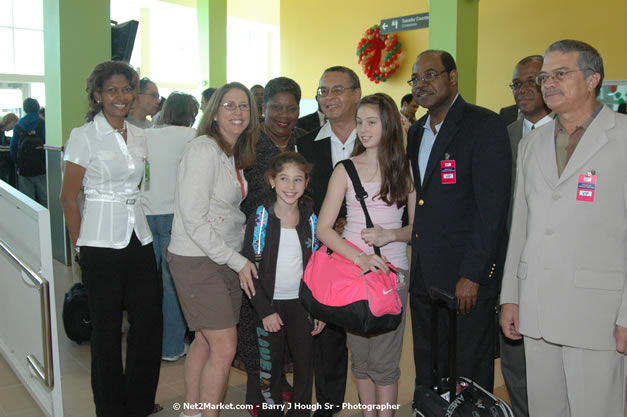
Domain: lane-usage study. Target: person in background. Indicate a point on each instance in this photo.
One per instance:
(509, 114)
(206, 96)
(207, 236)
(622, 108)
(106, 156)
(146, 104)
(312, 121)
(165, 147)
(157, 117)
(535, 113)
(30, 161)
(408, 113)
(7, 167)
(278, 134)
(257, 91)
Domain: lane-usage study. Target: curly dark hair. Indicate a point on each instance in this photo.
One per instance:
(102, 73)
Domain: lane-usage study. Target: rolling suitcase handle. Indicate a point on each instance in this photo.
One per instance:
(450, 301)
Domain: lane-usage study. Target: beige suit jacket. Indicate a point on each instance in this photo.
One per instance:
(567, 260)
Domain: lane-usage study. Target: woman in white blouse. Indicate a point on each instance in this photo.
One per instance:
(165, 146)
(107, 157)
(207, 236)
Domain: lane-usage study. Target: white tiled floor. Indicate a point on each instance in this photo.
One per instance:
(75, 364)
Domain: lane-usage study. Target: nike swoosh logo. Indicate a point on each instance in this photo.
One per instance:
(386, 292)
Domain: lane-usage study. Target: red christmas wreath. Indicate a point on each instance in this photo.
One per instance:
(372, 47)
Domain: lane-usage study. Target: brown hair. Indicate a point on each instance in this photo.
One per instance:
(179, 109)
(8, 118)
(244, 149)
(396, 181)
(99, 75)
(287, 157)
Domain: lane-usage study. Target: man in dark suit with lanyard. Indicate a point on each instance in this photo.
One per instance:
(461, 160)
(339, 92)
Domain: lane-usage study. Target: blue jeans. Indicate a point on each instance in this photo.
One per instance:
(174, 326)
(35, 187)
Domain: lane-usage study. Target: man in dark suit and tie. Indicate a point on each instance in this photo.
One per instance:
(461, 160)
(339, 92)
(535, 113)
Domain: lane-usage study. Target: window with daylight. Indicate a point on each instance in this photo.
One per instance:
(253, 51)
(22, 37)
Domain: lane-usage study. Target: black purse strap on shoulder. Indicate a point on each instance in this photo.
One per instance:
(360, 194)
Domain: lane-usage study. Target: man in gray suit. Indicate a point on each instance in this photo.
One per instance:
(566, 270)
(535, 113)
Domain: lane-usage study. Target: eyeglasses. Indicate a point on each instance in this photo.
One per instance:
(231, 106)
(428, 77)
(517, 85)
(557, 75)
(338, 90)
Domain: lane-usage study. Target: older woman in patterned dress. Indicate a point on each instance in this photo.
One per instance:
(278, 134)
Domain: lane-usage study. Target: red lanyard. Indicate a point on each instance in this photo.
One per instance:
(241, 182)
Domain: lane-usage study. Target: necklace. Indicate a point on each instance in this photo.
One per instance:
(282, 148)
(122, 130)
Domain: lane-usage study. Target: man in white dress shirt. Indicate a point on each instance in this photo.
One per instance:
(339, 92)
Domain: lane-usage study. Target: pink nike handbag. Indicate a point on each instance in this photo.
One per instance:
(335, 290)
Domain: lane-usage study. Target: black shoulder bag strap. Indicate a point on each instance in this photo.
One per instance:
(360, 194)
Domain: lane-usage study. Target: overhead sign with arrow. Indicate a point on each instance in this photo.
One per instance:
(399, 24)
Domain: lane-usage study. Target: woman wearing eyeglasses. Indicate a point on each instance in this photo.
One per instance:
(207, 235)
(146, 104)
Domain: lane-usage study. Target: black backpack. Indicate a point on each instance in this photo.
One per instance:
(76, 319)
(31, 157)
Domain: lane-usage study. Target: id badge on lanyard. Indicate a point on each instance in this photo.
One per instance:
(447, 170)
(586, 187)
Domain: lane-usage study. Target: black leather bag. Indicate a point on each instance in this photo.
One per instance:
(453, 396)
(76, 321)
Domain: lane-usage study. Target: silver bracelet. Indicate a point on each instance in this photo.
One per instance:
(357, 258)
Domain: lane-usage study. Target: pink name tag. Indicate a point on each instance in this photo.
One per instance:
(586, 187)
(447, 168)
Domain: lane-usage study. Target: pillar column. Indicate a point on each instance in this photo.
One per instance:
(212, 42)
(77, 36)
(454, 27)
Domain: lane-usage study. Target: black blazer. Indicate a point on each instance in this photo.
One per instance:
(509, 114)
(459, 228)
(318, 153)
(309, 122)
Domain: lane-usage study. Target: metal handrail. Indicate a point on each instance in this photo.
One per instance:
(44, 372)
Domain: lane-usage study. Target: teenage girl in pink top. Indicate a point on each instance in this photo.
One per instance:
(385, 173)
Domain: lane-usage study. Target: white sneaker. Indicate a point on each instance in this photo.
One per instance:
(175, 358)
